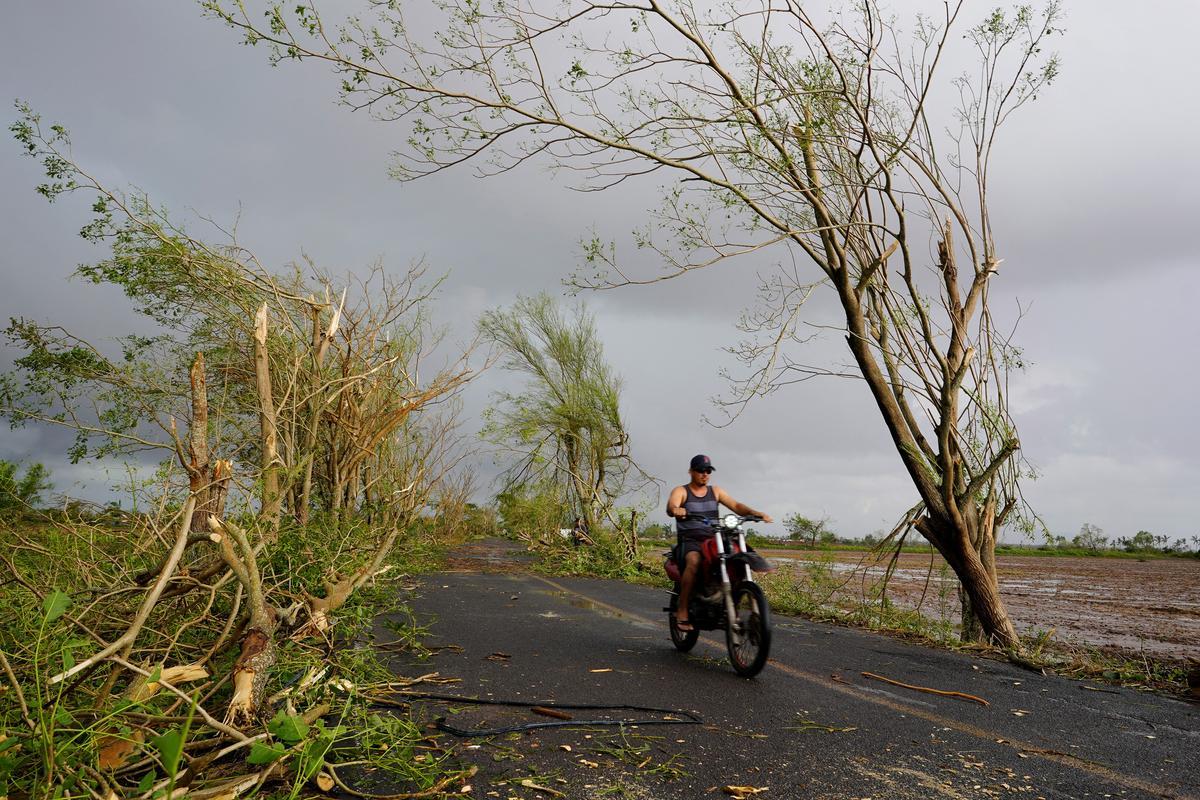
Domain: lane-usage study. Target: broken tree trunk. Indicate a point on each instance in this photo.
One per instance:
(208, 481)
(218, 491)
(114, 750)
(258, 641)
(271, 496)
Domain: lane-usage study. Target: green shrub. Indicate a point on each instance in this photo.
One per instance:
(24, 492)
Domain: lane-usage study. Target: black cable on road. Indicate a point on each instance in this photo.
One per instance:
(686, 717)
(465, 733)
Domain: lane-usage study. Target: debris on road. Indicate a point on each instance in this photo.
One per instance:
(550, 712)
(807, 725)
(528, 784)
(927, 690)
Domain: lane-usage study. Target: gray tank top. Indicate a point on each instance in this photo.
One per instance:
(706, 506)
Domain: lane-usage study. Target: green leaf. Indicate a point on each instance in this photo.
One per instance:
(261, 753)
(68, 659)
(155, 674)
(147, 781)
(170, 747)
(55, 605)
(287, 728)
(314, 756)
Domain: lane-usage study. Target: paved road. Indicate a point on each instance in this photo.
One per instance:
(810, 726)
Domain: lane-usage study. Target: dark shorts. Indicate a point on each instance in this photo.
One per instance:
(688, 545)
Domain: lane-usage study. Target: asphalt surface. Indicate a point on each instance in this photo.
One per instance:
(809, 726)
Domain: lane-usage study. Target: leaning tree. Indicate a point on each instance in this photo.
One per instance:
(564, 429)
(863, 148)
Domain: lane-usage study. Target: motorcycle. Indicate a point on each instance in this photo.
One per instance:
(725, 596)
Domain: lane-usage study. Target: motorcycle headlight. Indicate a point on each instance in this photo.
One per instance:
(730, 521)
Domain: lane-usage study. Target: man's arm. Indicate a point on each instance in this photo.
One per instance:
(739, 508)
(675, 503)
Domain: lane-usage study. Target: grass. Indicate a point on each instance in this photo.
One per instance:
(52, 738)
(606, 559)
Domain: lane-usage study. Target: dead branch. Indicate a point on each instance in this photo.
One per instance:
(126, 639)
(927, 690)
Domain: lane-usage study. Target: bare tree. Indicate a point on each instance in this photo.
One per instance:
(776, 129)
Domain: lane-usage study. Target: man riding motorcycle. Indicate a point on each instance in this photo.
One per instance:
(698, 498)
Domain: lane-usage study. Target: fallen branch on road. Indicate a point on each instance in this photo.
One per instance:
(928, 690)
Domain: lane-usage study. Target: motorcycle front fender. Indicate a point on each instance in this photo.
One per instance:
(752, 561)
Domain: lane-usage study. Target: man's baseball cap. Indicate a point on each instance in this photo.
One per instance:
(701, 462)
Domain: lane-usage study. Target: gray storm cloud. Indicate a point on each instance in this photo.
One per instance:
(1095, 198)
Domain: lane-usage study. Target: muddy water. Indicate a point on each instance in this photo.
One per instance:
(1151, 606)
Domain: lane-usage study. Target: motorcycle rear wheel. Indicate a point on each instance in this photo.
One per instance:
(748, 637)
(683, 640)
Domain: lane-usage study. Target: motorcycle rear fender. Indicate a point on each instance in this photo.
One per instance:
(672, 569)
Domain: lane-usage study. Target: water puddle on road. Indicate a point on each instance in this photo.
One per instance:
(603, 609)
(589, 605)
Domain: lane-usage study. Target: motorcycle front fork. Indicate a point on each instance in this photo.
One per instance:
(726, 584)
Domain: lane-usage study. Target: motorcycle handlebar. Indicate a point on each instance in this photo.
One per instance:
(715, 521)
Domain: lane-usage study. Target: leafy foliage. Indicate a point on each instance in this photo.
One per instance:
(814, 531)
(817, 136)
(116, 628)
(18, 493)
(564, 434)
(1090, 537)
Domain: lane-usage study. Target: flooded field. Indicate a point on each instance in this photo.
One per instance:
(1151, 606)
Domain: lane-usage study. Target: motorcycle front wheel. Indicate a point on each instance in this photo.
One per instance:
(683, 640)
(748, 636)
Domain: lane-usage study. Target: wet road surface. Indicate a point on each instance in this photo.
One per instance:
(810, 726)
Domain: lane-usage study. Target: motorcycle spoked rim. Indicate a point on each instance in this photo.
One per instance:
(747, 652)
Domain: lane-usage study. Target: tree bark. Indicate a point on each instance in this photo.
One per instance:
(217, 494)
(271, 498)
(307, 456)
(987, 619)
(633, 536)
(257, 654)
(197, 466)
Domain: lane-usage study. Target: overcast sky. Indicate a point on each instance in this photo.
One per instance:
(1096, 197)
